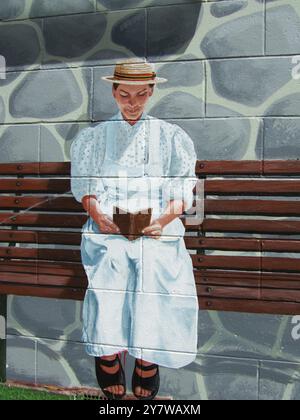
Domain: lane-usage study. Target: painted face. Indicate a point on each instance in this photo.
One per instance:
(132, 99)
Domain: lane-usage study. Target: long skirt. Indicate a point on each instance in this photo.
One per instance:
(141, 297)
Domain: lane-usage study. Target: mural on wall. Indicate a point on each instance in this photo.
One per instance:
(200, 47)
(141, 295)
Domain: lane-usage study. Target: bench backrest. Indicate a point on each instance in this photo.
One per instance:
(251, 209)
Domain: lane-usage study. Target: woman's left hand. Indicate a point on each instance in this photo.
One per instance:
(154, 229)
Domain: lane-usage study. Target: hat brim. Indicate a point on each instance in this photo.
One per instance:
(111, 79)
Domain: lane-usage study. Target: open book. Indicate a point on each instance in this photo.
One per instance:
(131, 224)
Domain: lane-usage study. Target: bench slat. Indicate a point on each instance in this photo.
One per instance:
(253, 207)
(220, 187)
(248, 305)
(35, 168)
(192, 242)
(43, 279)
(44, 203)
(43, 267)
(41, 237)
(250, 226)
(205, 167)
(248, 167)
(40, 254)
(242, 187)
(35, 185)
(220, 206)
(42, 291)
(247, 244)
(45, 220)
(247, 263)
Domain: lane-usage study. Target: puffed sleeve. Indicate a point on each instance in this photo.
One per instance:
(182, 179)
(84, 179)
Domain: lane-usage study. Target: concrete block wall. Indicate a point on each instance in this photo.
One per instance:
(233, 86)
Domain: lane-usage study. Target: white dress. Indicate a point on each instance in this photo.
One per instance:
(141, 294)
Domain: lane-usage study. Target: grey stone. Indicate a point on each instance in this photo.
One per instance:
(241, 330)
(182, 74)
(181, 384)
(259, 145)
(227, 378)
(282, 138)
(3, 333)
(105, 56)
(60, 7)
(21, 356)
(249, 81)
(130, 32)
(289, 340)
(171, 33)
(8, 77)
(178, 105)
(206, 328)
(218, 139)
(73, 36)
(61, 95)
(104, 104)
(51, 150)
(69, 366)
(2, 111)
(81, 363)
(51, 367)
(43, 318)
(170, 2)
(68, 133)
(279, 381)
(20, 143)
(215, 110)
(20, 46)
(241, 340)
(242, 36)
(219, 10)
(282, 30)
(286, 106)
(118, 4)
(11, 9)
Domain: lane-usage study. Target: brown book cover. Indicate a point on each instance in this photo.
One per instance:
(131, 224)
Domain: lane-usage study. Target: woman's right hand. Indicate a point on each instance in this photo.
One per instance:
(104, 222)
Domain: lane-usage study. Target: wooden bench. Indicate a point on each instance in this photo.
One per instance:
(41, 222)
(250, 207)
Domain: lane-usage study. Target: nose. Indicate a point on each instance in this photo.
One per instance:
(132, 101)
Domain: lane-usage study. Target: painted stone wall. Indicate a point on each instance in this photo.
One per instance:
(233, 86)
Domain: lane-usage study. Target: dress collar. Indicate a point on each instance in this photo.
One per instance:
(119, 117)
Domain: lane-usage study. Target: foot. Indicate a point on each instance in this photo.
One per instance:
(139, 391)
(115, 389)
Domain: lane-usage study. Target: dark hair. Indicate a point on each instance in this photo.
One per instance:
(115, 85)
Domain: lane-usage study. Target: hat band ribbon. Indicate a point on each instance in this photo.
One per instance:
(149, 76)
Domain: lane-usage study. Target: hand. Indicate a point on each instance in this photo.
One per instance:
(154, 229)
(105, 223)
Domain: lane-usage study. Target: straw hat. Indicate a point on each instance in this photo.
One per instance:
(133, 72)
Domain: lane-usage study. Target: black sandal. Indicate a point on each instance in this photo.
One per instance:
(109, 379)
(150, 384)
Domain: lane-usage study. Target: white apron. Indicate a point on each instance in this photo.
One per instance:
(141, 294)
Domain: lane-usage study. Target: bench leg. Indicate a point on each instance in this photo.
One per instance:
(2, 338)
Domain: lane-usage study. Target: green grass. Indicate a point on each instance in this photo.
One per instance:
(16, 393)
